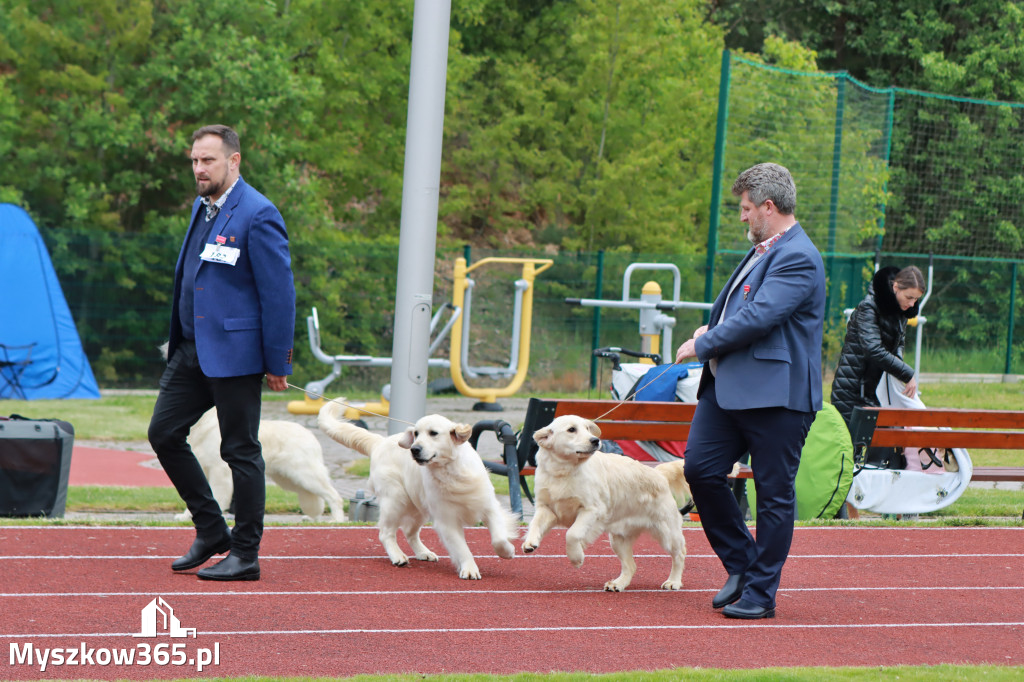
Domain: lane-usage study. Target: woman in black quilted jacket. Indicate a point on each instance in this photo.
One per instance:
(875, 337)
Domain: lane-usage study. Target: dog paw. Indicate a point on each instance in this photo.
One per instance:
(400, 561)
(506, 550)
(528, 547)
(672, 585)
(426, 556)
(469, 573)
(613, 586)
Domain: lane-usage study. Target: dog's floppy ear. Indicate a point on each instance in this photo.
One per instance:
(594, 429)
(461, 433)
(541, 435)
(407, 439)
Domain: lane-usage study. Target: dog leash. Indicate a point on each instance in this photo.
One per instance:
(626, 399)
(384, 416)
(342, 402)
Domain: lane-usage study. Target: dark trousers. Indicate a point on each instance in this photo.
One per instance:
(774, 438)
(185, 395)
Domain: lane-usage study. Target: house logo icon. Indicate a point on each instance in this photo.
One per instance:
(158, 619)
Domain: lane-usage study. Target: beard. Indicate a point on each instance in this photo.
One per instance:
(757, 230)
(207, 188)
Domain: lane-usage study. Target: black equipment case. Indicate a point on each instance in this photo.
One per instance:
(35, 460)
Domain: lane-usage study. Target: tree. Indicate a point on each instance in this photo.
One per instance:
(595, 133)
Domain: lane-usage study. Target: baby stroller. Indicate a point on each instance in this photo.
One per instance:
(885, 489)
(644, 381)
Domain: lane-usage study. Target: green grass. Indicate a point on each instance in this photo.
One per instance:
(93, 498)
(982, 503)
(110, 418)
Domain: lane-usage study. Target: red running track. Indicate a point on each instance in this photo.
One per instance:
(102, 466)
(331, 605)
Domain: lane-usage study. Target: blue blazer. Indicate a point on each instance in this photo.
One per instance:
(768, 347)
(245, 313)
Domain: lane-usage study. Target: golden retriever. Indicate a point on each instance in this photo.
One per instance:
(294, 460)
(592, 492)
(428, 472)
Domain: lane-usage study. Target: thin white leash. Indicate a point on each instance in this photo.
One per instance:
(384, 416)
(626, 399)
(342, 402)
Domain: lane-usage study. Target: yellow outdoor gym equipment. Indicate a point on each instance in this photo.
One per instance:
(522, 318)
(458, 352)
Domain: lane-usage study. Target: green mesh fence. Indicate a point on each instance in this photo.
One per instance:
(892, 176)
(894, 170)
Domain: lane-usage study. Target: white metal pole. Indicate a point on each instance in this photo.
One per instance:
(418, 237)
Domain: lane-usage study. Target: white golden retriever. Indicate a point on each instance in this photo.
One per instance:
(294, 460)
(592, 492)
(428, 472)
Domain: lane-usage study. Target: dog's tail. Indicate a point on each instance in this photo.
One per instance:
(673, 473)
(359, 439)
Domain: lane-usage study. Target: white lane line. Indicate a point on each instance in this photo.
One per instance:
(760, 625)
(354, 557)
(485, 592)
(373, 529)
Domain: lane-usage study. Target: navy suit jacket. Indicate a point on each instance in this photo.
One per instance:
(244, 313)
(768, 347)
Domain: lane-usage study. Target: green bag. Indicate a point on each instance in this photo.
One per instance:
(826, 468)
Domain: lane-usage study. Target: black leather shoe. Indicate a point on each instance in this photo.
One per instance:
(731, 592)
(231, 568)
(748, 610)
(201, 551)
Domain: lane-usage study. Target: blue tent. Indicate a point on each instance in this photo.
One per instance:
(41, 354)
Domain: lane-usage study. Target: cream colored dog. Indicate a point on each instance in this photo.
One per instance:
(592, 492)
(428, 472)
(294, 460)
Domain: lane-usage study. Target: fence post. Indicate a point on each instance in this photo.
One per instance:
(833, 211)
(595, 339)
(1009, 330)
(716, 180)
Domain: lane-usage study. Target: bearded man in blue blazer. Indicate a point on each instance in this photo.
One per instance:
(759, 391)
(232, 322)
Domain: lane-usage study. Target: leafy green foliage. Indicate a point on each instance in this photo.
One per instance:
(582, 124)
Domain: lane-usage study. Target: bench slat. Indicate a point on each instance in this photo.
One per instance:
(643, 431)
(976, 419)
(631, 410)
(998, 474)
(996, 440)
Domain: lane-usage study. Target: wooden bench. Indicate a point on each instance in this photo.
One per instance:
(941, 428)
(630, 420)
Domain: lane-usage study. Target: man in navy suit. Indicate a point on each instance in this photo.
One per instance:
(232, 322)
(759, 390)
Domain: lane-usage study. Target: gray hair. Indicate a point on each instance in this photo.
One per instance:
(768, 181)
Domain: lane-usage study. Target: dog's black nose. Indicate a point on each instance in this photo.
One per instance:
(416, 450)
(595, 442)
